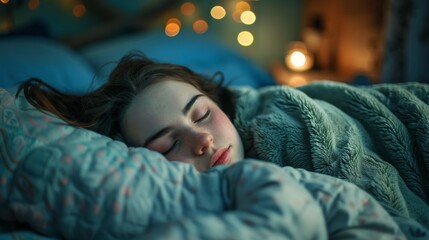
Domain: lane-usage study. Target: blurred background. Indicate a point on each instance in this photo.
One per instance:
(295, 40)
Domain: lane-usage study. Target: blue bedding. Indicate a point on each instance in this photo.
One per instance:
(58, 181)
(65, 182)
(376, 137)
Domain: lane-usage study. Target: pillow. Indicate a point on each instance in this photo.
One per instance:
(23, 57)
(198, 52)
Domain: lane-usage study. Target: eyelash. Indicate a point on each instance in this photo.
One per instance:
(205, 116)
(171, 148)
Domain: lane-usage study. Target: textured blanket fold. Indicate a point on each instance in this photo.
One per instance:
(375, 136)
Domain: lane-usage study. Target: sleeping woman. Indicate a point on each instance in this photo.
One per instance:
(191, 119)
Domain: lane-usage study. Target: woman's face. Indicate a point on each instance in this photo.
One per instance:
(177, 120)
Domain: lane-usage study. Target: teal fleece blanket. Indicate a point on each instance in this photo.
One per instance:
(374, 136)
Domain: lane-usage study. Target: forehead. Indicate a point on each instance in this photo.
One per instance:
(164, 94)
(156, 107)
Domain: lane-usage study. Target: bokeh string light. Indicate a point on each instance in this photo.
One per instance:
(79, 10)
(245, 38)
(243, 14)
(218, 12)
(200, 26)
(191, 13)
(75, 7)
(242, 6)
(240, 11)
(248, 17)
(187, 8)
(172, 28)
(33, 4)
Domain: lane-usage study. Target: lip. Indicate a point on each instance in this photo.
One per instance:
(220, 157)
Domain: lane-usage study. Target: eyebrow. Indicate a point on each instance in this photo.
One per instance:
(165, 130)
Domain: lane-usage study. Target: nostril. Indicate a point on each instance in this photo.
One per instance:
(203, 149)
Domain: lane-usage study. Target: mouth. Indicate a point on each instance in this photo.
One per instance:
(220, 157)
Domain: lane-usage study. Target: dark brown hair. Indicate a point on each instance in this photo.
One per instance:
(103, 109)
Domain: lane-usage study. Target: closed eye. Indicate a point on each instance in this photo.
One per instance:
(206, 115)
(170, 149)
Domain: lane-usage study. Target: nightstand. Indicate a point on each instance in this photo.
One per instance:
(284, 76)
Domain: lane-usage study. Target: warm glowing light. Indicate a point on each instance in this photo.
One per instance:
(200, 26)
(172, 29)
(79, 10)
(174, 20)
(33, 4)
(245, 38)
(6, 25)
(248, 17)
(187, 8)
(4, 1)
(242, 6)
(298, 57)
(236, 16)
(218, 12)
(297, 80)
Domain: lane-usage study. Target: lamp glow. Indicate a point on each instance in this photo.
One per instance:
(297, 80)
(298, 58)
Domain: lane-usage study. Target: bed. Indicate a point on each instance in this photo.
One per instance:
(62, 182)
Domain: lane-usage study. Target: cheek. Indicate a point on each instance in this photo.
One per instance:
(222, 126)
(180, 158)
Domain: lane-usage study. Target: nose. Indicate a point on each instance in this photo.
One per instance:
(202, 142)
